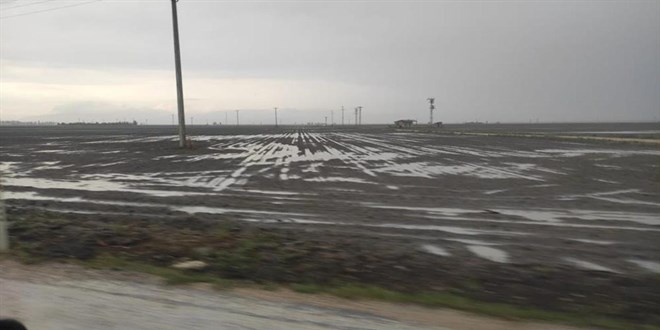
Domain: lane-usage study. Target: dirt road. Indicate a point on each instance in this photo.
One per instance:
(61, 296)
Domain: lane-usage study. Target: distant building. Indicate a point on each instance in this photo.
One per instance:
(404, 123)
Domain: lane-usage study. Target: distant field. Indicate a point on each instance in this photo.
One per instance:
(484, 199)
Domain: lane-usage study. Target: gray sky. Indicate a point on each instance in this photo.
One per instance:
(482, 60)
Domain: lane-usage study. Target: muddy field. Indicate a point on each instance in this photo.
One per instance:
(587, 209)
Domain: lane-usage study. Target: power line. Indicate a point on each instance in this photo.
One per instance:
(27, 4)
(50, 9)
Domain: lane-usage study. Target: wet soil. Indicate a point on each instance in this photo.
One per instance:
(569, 222)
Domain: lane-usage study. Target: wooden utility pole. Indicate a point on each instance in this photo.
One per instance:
(179, 79)
(275, 116)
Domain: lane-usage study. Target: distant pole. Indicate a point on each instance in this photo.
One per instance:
(326, 120)
(275, 116)
(342, 115)
(236, 117)
(431, 108)
(179, 79)
(356, 116)
(360, 114)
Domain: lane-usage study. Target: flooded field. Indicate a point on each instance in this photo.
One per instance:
(482, 199)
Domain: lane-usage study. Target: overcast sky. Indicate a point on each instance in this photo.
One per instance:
(508, 61)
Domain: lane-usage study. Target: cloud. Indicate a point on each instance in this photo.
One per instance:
(496, 61)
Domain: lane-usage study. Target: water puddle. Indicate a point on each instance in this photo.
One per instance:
(651, 266)
(588, 265)
(493, 192)
(31, 195)
(93, 185)
(582, 152)
(223, 210)
(607, 181)
(624, 201)
(436, 250)
(429, 170)
(7, 167)
(489, 253)
(449, 229)
(338, 179)
(592, 241)
(556, 215)
(59, 151)
(533, 215)
(87, 185)
(269, 192)
(445, 211)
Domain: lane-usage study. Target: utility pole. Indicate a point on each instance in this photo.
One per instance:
(356, 116)
(360, 114)
(431, 108)
(275, 116)
(236, 117)
(342, 115)
(179, 79)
